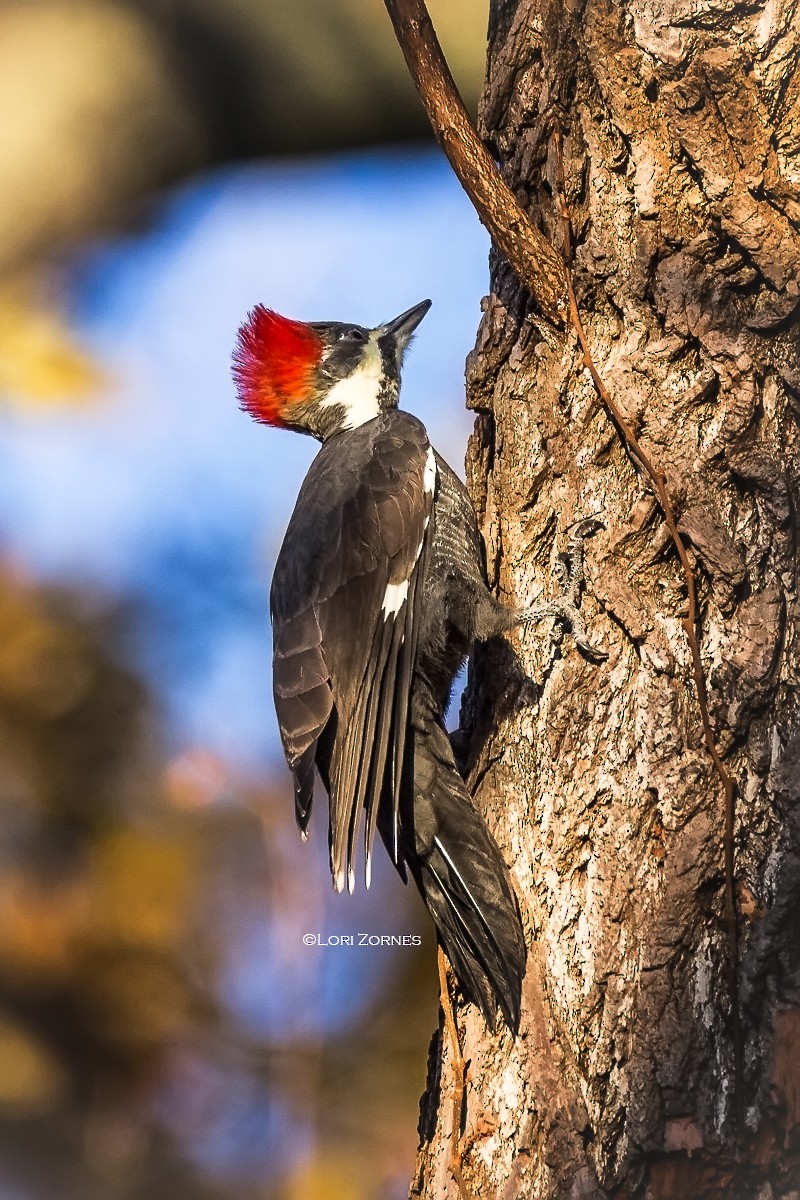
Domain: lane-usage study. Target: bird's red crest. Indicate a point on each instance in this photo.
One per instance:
(273, 364)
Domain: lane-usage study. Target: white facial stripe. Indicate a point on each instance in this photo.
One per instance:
(394, 598)
(358, 393)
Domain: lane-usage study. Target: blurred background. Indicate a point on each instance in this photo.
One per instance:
(165, 164)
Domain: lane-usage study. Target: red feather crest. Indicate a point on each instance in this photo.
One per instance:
(273, 364)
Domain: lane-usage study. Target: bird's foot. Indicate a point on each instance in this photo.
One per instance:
(565, 609)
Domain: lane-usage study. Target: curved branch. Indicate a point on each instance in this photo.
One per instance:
(537, 265)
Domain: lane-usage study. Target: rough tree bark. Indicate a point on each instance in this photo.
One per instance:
(681, 128)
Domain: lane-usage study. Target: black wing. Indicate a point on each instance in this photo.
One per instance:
(345, 602)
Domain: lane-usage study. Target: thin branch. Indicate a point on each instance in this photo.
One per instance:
(458, 1078)
(537, 265)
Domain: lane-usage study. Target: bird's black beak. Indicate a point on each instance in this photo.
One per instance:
(402, 327)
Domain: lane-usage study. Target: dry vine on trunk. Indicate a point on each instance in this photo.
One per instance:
(656, 148)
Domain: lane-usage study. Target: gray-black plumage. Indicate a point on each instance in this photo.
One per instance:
(455, 861)
(342, 666)
(378, 595)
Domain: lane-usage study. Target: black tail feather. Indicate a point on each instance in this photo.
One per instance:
(454, 931)
(464, 881)
(303, 771)
(467, 890)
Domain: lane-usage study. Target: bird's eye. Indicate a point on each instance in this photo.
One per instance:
(353, 335)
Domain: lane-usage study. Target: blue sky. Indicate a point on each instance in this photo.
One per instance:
(164, 491)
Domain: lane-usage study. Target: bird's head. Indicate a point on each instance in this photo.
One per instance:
(321, 377)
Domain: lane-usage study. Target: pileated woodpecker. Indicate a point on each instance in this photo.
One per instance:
(378, 595)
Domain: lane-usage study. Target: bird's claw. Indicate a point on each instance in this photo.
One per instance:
(569, 571)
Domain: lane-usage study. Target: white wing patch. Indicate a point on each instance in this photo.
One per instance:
(394, 598)
(396, 594)
(429, 474)
(358, 393)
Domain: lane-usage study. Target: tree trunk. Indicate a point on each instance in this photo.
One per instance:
(681, 127)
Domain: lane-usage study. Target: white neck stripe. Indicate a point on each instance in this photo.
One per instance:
(358, 394)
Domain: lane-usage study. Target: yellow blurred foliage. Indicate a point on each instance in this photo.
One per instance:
(144, 885)
(90, 114)
(327, 1177)
(39, 923)
(40, 366)
(31, 1080)
(135, 1001)
(42, 668)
